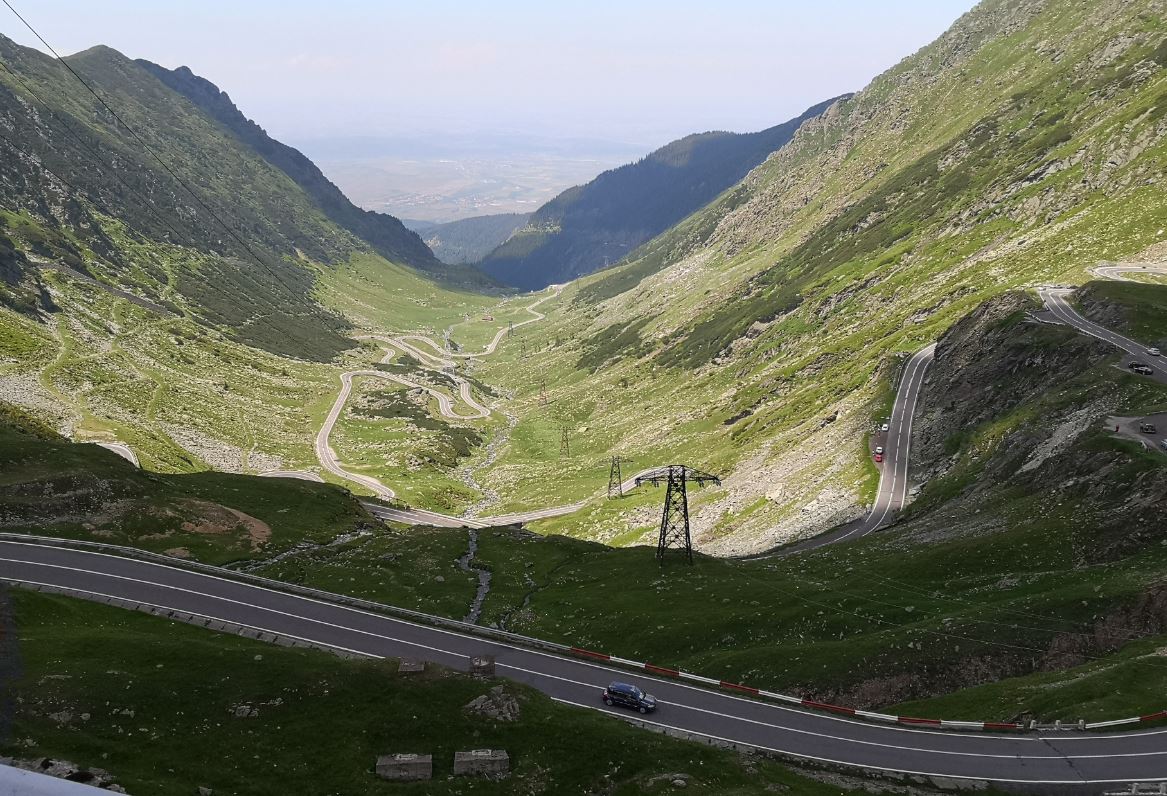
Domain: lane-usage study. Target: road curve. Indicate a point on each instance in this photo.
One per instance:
(552, 292)
(299, 475)
(121, 449)
(1066, 762)
(1055, 302)
(1117, 271)
(892, 492)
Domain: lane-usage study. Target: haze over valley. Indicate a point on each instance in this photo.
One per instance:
(447, 178)
(761, 398)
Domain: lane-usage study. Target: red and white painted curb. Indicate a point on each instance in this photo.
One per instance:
(811, 704)
(419, 616)
(1158, 716)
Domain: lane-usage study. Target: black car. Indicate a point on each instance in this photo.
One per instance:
(1139, 367)
(1148, 428)
(629, 696)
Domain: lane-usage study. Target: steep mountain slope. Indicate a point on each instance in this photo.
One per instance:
(104, 193)
(468, 240)
(201, 327)
(589, 226)
(761, 335)
(384, 232)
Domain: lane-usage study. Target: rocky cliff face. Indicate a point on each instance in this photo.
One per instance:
(1025, 145)
(992, 361)
(383, 232)
(1013, 430)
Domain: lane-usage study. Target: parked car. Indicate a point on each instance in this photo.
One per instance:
(879, 449)
(884, 428)
(878, 457)
(1153, 352)
(1148, 428)
(1141, 369)
(629, 696)
(1163, 444)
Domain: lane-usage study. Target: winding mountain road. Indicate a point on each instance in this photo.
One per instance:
(1044, 762)
(442, 360)
(1057, 305)
(892, 492)
(1118, 271)
(1062, 762)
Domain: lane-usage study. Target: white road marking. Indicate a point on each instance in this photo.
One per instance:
(637, 719)
(905, 404)
(528, 650)
(535, 673)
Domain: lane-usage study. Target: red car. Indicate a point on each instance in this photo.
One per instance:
(879, 457)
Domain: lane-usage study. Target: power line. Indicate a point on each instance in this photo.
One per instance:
(93, 151)
(145, 145)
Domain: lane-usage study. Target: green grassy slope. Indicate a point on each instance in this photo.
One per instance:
(584, 228)
(49, 486)
(757, 336)
(153, 703)
(227, 254)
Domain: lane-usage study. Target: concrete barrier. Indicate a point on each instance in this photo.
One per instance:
(482, 762)
(405, 767)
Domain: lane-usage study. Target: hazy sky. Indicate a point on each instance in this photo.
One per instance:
(636, 71)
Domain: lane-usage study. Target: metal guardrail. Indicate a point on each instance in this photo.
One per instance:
(294, 588)
(517, 639)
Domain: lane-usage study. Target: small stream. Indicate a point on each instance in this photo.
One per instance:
(483, 578)
(490, 497)
(250, 565)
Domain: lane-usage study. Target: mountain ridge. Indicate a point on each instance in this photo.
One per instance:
(384, 232)
(590, 226)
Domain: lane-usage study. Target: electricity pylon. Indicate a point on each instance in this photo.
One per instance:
(674, 520)
(615, 479)
(564, 445)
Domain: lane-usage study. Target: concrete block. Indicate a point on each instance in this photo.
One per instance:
(482, 762)
(482, 665)
(410, 666)
(405, 767)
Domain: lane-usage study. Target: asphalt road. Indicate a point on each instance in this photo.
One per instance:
(892, 492)
(1059, 308)
(1053, 763)
(1118, 271)
(121, 449)
(441, 360)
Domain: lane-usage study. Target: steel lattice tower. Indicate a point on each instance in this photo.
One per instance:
(674, 520)
(564, 444)
(615, 479)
